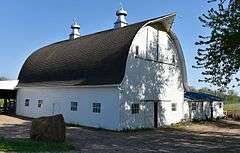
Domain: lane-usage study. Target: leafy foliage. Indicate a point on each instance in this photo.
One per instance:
(3, 78)
(219, 54)
(231, 98)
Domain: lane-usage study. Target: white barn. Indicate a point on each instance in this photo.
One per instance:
(131, 76)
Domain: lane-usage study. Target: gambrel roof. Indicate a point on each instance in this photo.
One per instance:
(95, 59)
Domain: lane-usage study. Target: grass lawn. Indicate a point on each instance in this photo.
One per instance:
(27, 145)
(233, 106)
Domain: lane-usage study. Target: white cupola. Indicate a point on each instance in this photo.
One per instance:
(75, 30)
(121, 21)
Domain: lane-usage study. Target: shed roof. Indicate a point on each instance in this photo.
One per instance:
(195, 96)
(8, 85)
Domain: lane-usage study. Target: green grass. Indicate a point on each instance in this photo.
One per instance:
(233, 106)
(28, 145)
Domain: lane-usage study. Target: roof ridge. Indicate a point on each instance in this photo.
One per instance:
(108, 30)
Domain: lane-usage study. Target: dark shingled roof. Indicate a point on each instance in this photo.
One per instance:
(96, 59)
(195, 96)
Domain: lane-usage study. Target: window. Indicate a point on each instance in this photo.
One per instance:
(27, 102)
(137, 50)
(152, 51)
(135, 108)
(194, 106)
(40, 103)
(74, 106)
(173, 59)
(96, 107)
(174, 106)
(220, 105)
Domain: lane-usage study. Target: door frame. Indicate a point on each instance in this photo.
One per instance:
(155, 109)
(155, 118)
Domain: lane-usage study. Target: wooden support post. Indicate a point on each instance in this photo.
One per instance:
(5, 106)
(211, 103)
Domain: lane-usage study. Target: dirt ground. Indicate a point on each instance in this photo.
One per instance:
(213, 137)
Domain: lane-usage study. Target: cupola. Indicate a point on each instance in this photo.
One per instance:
(121, 21)
(75, 30)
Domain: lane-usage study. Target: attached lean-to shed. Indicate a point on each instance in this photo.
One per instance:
(8, 94)
(203, 106)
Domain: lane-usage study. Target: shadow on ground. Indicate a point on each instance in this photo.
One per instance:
(157, 140)
(181, 140)
(15, 131)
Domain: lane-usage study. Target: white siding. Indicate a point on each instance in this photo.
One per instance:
(151, 80)
(150, 76)
(217, 111)
(58, 101)
(203, 110)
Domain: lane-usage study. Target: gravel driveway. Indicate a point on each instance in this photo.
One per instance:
(208, 137)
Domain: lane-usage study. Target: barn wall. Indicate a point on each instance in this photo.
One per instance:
(146, 79)
(57, 100)
(217, 111)
(203, 110)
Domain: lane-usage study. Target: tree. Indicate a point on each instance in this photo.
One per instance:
(219, 53)
(3, 78)
(230, 97)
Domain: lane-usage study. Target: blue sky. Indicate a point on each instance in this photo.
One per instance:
(27, 25)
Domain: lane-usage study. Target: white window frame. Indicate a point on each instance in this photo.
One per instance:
(137, 50)
(194, 106)
(39, 103)
(135, 108)
(96, 107)
(27, 102)
(220, 105)
(74, 106)
(173, 58)
(174, 107)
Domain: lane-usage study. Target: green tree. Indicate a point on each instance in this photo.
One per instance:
(3, 78)
(230, 97)
(219, 53)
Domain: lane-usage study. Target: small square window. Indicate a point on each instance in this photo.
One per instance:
(174, 107)
(40, 103)
(135, 108)
(27, 102)
(194, 106)
(96, 107)
(173, 59)
(220, 105)
(74, 106)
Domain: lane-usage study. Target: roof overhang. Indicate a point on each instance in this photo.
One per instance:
(167, 21)
(201, 97)
(8, 85)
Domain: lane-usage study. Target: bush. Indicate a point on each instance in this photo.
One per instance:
(235, 115)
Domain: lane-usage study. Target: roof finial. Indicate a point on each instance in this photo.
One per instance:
(75, 30)
(74, 21)
(121, 14)
(121, 5)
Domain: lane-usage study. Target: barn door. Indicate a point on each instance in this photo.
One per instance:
(56, 109)
(53, 108)
(56, 106)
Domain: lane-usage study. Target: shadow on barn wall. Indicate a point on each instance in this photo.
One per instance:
(147, 78)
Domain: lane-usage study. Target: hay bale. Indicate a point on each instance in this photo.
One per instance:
(51, 128)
